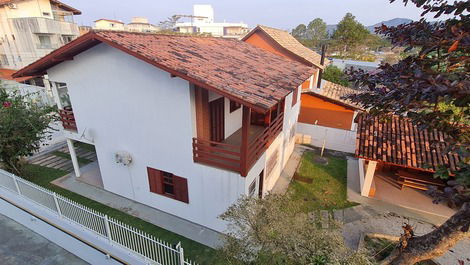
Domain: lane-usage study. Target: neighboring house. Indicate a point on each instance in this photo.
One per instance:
(202, 21)
(138, 24)
(325, 118)
(30, 29)
(344, 64)
(184, 124)
(397, 160)
(109, 24)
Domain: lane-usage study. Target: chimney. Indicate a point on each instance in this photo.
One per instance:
(322, 62)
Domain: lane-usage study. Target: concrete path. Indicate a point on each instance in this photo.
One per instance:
(48, 159)
(19, 246)
(159, 218)
(282, 184)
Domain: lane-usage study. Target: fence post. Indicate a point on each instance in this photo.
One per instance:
(16, 184)
(106, 226)
(54, 195)
(181, 253)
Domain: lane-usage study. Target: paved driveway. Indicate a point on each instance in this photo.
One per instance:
(19, 246)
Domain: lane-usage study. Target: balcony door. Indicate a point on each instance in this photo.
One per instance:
(217, 116)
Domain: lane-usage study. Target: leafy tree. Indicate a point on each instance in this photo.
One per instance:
(23, 126)
(274, 231)
(300, 32)
(335, 75)
(431, 88)
(349, 34)
(316, 32)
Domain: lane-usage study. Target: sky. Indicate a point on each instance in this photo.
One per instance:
(283, 14)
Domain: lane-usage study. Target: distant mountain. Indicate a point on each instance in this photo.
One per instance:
(389, 23)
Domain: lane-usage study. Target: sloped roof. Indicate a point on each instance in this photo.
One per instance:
(292, 45)
(238, 70)
(110, 20)
(7, 75)
(336, 92)
(57, 3)
(398, 141)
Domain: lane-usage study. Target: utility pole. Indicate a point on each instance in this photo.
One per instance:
(322, 62)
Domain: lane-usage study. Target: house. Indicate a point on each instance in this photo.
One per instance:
(397, 161)
(30, 29)
(325, 118)
(138, 24)
(184, 124)
(202, 21)
(109, 24)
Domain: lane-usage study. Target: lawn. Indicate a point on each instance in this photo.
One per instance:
(327, 190)
(193, 250)
(82, 161)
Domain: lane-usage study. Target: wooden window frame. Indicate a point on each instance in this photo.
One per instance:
(157, 184)
(234, 106)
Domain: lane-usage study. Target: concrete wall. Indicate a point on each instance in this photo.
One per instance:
(124, 104)
(336, 139)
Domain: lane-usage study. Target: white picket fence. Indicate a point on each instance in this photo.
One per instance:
(149, 248)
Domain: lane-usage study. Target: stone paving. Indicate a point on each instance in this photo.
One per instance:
(19, 245)
(48, 159)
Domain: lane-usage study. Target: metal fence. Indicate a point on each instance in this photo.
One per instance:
(148, 247)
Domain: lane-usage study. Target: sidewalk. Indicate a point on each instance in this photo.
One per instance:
(198, 233)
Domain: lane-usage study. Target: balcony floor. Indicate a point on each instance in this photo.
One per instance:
(236, 137)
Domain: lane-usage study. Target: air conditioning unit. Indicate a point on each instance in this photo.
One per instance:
(123, 157)
(12, 6)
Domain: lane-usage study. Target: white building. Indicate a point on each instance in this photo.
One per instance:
(184, 124)
(30, 29)
(138, 24)
(202, 21)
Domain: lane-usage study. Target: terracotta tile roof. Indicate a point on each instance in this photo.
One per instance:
(58, 3)
(336, 92)
(288, 42)
(397, 141)
(7, 75)
(238, 70)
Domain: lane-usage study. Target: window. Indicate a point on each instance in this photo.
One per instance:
(295, 95)
(272, 162)
(47, 14)
(3, 59)
(168, 184)
(67, 38)
(45, 42)
(292, 131)
(234, 106)
(251, 188)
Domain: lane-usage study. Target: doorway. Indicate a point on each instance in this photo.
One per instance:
(217, 122)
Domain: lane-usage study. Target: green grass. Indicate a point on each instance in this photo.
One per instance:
(43, 176)
(88, 147)
(81, 161)
(328, 188)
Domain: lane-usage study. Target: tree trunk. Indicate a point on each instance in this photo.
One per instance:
(435, 243)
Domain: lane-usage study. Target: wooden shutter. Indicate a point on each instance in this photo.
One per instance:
(295, 96)
(181, 189)
(155, 180)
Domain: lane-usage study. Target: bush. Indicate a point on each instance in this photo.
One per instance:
(335, 75)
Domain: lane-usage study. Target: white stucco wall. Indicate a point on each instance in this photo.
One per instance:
(124, 104)
(335, 139)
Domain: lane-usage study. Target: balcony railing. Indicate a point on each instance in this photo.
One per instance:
(228, 156)
(68, 119)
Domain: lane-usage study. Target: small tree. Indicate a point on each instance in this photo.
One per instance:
(274, 231)
(316, 32)
(300, 32)
(23, 126)
(335, 75)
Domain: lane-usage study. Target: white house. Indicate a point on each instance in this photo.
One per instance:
(184, 124)
(202, 21)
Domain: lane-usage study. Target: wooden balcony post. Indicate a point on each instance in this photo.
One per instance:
(244, 145)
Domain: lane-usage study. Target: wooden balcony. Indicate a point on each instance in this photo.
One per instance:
(68, 119)
(232, 154)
